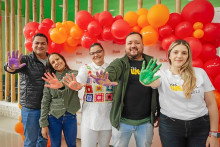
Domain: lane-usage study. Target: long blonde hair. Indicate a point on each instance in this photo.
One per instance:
(186, 70)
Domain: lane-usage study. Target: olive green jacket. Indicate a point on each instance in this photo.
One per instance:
(56, 102)
(119, 71)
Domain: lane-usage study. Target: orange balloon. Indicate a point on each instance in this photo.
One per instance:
(19, 106)
(68, 25)
(217, 98)
(136, 29)
(158, 15)
(197, 25)
(142, 21)
(198, 33)
(58, 36)
(131, 18)
(59, 24)
(72, 42)
(150, 35)
(76, 32)
(68, 48)
(19, 118)
(19, 128)
(23, 137)
(142, 11)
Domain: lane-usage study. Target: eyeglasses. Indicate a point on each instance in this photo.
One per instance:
(97, 52)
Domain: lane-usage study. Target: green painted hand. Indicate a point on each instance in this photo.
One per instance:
(147, 75)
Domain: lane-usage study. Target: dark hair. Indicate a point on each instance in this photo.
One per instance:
(49, 67)
(132, 33)
(40, 35)
(94, 44)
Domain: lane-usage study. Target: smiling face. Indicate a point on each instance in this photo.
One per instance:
(57, 63)
(97, 55)
(178, 56)
(134, 47)
(40, 46)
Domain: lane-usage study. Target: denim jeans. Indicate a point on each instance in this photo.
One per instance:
(181, 133)
(32, 130)
(68, 124)
(143, 135)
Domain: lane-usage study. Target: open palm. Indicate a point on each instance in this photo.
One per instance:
(147, 74)
(72, 83)
(14, 60)
(54, 83)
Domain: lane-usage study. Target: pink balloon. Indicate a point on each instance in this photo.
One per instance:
(211, 32)
(195, 45)
(184, 29)
(120, 29)
(94, 28)
(217, 83)
(106, 33)
(105, 19)
(208, 52)
(166, 42)
(165, 31)
(87, 40)
(174, 19)
(83, 18)
(30, 29)
(212, 67)
(197, 63)
(198, 11)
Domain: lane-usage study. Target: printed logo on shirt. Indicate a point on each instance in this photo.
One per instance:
(135, 71)
(175, 87)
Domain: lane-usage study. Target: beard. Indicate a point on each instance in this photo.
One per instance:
(134, 56)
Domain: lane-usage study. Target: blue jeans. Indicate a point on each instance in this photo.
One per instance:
(180, 133)
(143, 135)
(68, 124)
(32, 130)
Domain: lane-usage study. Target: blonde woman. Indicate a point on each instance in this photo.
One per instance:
(189, 113)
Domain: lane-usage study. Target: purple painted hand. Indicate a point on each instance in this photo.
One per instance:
(14, 60)
(102, 79)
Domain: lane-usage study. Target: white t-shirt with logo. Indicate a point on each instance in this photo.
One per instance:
(172, 100)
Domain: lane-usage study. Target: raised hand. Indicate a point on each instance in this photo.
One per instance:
(147, 75)
(54, 83)
(14, 60)
(102, 79)
(72, 83)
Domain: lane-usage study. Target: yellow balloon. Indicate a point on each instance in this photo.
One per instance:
(158, 15)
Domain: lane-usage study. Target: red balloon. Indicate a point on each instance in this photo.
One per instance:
(184, 29)
(212, 67)
(94, 28)
(55, 48)
(208, 52)
(105, 19)
(165, 31)
(195, 45)
(28, 44)
(106, 33)
(166, 42)
(211, 32)
(87, 40)
(174, 19)
(119, 41)
(96, 17)
(117, 17)
(120, 29)
(48, 21)
(44, 28)
(197, 63)
(198, 11)
(217, 83)
(83, 18)
(30, 29)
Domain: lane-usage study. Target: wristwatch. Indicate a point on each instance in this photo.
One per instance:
(216, 134)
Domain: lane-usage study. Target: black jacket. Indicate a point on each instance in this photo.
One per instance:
(31, 82)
